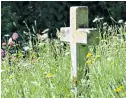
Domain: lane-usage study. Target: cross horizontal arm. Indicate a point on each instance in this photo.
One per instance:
(83, 35)
(65, 34)
(88, 36)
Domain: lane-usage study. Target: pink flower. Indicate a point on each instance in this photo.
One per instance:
(4, 44)
(13, 58)
(34, 60)
(10, 42)
(2, 53)
(15, 36)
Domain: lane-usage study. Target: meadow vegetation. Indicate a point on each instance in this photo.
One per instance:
(42, 70)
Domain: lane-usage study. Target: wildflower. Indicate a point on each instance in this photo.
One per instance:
(43, 36)
(2, 53)
(88, 62)
(49, 75)
(10, 77)
(74, 81)
(34, 60)
(6, 35)
(2, 70)
(14, 58)
(96, 19)
(26, 48)
(10, 42)
(105, 24)
(26, 33)
(125, 23)
(101, 18)
(4, 44)
(117, 90)
(88, 55)
(120, 21)
(15, 36)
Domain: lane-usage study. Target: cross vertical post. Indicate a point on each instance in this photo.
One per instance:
(79, 37)
(78, 19)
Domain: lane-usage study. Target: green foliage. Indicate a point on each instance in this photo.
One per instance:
(45, 70)
(47, 14)
(107, 72)
(28, 77)
(53, 14)
(7, 22)
(48, 75)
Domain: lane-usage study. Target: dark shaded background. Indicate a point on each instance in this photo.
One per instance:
(53, 14)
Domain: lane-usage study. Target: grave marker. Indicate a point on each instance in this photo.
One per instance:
(79, 37)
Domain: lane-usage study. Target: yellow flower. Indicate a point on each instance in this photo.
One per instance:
(49, 75)
(74, 81)
(88, 62)
(88, 55)
(117, 90)
(10, 77)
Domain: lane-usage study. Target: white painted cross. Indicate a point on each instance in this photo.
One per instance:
(79, 37)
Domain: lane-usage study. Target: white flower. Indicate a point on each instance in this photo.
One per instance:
(2, 70)
(45, 31)
(101, 18)
(26, 48)
(25, 32)
(43, 36)
(105, 23)
(10, 42)
(96, 19)
(6, 35)
(120, 21)
(125, 23)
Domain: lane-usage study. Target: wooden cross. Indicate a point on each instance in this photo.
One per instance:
(79, 37)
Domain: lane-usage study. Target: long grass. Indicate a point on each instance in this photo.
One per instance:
(47, 75)
(28, 77)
